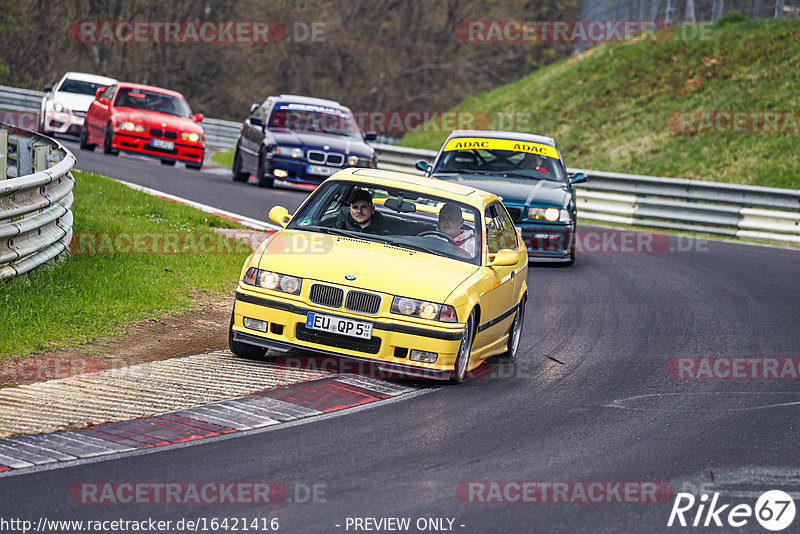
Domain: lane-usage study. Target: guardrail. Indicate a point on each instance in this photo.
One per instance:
(761, 213)
(35, 200)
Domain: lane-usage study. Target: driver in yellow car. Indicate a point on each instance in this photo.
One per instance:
(451, 222)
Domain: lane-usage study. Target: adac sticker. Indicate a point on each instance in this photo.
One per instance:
(466, 143)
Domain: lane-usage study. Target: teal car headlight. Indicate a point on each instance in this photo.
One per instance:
(549, 214)
(274, 281)
(424, 310)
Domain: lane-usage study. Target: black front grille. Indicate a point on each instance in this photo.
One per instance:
(170, 134)
(335, 159)
(316, 156)
(156, 132)
(359, 301)
(516, 213)
(326, 295)
(369, 346)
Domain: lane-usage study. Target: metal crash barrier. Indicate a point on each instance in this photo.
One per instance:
(35, 200)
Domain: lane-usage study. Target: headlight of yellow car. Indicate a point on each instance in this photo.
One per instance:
(424, 310)
(131, 127)
(274, 281)
(190, 136)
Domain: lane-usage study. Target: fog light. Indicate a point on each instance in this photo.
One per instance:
(255, 324)
(280, 173)
(422, 356)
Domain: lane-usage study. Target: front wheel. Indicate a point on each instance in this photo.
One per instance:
(84, 141)
(515, 332)
(196, 166)
(108, 141)
(264, 181)
(238, 174)
(244, 350)
(464, 350)
(170, 162)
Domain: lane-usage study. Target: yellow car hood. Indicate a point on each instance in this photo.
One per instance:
(376, 266)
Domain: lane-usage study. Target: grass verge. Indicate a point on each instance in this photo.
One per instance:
(618, 107)
(224, 158)
(111, 281)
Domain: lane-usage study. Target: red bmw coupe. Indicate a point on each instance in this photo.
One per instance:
(145, 120)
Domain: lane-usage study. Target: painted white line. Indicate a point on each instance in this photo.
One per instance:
(246, 221)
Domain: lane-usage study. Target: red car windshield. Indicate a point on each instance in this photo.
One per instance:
(152, 101)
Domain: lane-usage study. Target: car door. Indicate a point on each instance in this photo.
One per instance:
(253, 136)
(99, 114)
(500, 298)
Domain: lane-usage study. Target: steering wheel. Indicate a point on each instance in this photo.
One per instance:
(437, 234)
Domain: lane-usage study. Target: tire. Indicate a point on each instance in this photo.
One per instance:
(464, 350)
(108, 140)
(238, 175)
(169, 162)
(515, 332)
(263, 181)
(244, 350)
(84, 144)
(574, 250)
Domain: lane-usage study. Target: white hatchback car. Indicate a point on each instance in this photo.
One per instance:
(64, 105)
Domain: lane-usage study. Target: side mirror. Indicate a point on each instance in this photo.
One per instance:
(254, 107)
(279, 215)
(104, 101)
(423, 166)
(256, 121)
(370, 136)
(198, 117)
(97, 93)
(577, 178)
(504, 258)
(48, 89)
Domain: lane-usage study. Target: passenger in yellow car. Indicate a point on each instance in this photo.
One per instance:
(451, 222)
(362, 217)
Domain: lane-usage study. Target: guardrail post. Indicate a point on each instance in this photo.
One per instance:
(41, 152)
(3, 153)
(24, 156)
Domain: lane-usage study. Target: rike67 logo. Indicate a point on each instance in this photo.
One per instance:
(774, 510)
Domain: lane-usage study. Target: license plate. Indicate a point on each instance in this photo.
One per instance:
(160, 143)
(339, 325)
(320, 170)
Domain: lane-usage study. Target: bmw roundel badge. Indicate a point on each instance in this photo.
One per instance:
(349, 277)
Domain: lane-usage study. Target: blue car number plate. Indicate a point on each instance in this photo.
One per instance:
(339, 325)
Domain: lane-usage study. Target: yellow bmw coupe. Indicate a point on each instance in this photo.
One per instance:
(415, 275)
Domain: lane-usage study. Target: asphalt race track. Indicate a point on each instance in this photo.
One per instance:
(591, 399)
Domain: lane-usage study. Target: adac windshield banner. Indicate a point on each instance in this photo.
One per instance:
(466, 143)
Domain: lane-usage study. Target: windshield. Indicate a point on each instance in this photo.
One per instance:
(398, 217)
(501, 157)
(314, 119)
(80, 87)
(152, 101)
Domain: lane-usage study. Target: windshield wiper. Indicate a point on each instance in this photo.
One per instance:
(330, 230)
